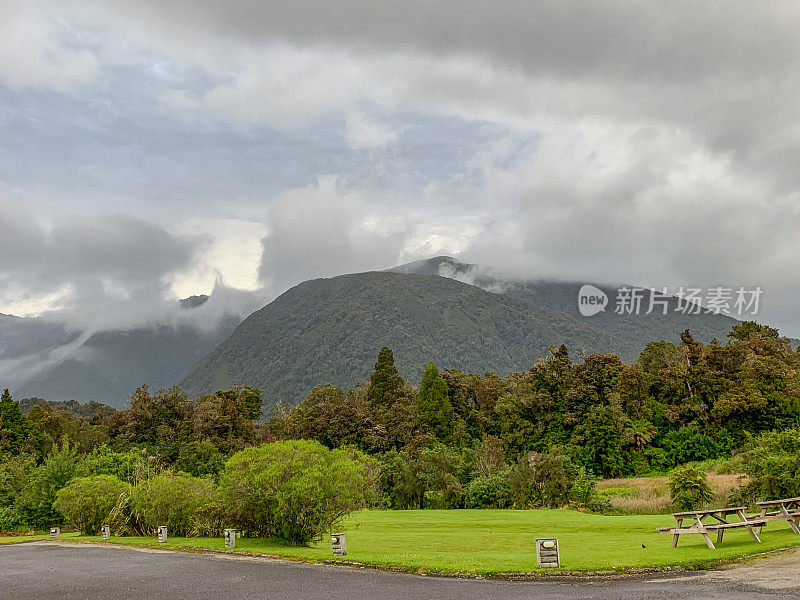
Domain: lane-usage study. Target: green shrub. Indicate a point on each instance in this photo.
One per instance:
(773, 465)
(131, 466)
(200, 458)
(489, 491)
(584, 488)
(87, 502)
(15, 473)
(687, 444)
(10, 519)
(658, 459)
(401, 480)
(172, 499)
(688, 487)
(731, 466)
(296, 490)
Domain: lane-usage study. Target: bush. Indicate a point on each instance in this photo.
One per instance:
(584, 488)
(688, 487)
(658, 459)
(296, 490)
(773, 465)
(87, 502)
(489, 491)
(176, 500)
(200, 458)
(131, 466)
(15, 473)
(687, 444)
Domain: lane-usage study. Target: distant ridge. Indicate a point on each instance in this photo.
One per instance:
(631, 332)
(108, 365)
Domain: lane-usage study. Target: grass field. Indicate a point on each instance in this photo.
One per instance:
(650, 495)
(487, 542)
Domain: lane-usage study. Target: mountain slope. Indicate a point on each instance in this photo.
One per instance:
(47, 358)
(330, 331)
(110, 365)
(23, 336)
(628, 330)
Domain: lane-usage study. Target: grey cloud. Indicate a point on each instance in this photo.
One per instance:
(643, 40)
(96, 262)
(323, 230)
(722, 69)
(655, 142)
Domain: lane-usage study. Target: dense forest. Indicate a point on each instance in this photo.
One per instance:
(455, 440)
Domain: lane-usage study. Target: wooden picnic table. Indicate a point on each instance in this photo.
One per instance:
(787, 509)
(720, 524)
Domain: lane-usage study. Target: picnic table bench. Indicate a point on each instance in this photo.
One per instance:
(720, 525)
(787, 509)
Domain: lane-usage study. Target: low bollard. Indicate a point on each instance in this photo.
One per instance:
(547, 554)
(55, 532)
(162, 534)
(106, 532)
(339, 543)
(230, 539)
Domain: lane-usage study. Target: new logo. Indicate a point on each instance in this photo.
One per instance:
(591, 300)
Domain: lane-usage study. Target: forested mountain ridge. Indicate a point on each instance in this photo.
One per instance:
(629, 330)
(329, 330)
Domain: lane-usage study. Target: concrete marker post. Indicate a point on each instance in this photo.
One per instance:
(339, 544)
(547, 555)
(230, 539)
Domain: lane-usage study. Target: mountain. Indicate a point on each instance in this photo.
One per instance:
(330, 331)
(22, 336)
(110, 365)
(44, 358)
(629, 331)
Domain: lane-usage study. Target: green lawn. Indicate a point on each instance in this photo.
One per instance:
(10, 539)
(485, 542)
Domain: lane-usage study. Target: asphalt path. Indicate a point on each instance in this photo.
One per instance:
(44, 570)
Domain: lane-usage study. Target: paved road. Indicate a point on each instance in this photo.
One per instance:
(43, 570)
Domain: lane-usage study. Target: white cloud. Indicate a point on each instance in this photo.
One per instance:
(233, 253)
(323, 230)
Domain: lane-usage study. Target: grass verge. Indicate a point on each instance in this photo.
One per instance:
(498, 542)
(11, 539)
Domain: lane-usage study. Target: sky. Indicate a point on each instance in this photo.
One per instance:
(157, 149)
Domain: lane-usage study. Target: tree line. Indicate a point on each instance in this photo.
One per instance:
(538, 438)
